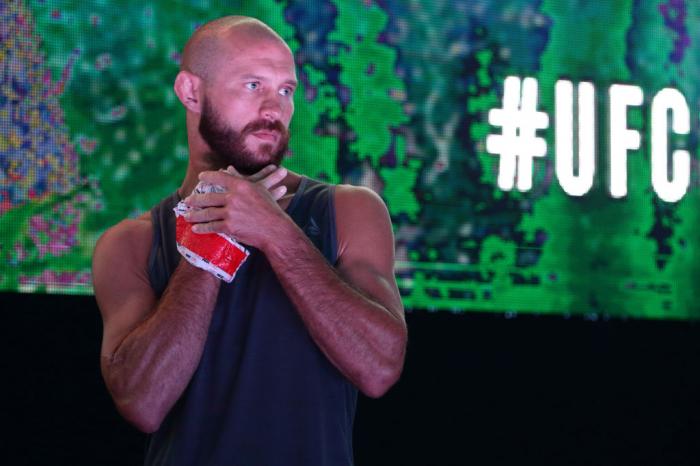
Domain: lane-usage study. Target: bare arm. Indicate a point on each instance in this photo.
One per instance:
(150, 348)
(353, 314)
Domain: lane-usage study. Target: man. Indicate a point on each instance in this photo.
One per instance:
(264, 370)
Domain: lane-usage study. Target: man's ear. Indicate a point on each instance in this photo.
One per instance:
(188, 88)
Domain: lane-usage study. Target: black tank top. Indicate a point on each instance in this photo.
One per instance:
(263, 393)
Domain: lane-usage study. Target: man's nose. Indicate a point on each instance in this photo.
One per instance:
(271, 109)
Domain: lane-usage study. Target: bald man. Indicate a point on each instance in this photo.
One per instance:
(264, 370)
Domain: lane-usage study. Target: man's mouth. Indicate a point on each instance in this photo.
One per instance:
(265, 135)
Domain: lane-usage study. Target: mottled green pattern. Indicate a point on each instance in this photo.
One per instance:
(395, 95)
(590, 254)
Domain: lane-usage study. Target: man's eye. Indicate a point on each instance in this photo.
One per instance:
(286, 91)
(252, 86)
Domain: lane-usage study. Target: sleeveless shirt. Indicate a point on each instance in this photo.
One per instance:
(263, 393)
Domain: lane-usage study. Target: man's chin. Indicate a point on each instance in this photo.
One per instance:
(264, 154)
(259, 147)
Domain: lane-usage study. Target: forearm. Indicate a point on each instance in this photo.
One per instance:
(150, 368)
(362, 338)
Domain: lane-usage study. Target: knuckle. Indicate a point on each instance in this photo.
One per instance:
(235, 188)
(246, 188)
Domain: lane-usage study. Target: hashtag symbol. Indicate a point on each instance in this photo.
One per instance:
(518, 144)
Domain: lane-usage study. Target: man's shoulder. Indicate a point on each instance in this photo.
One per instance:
(130, 237)
(362, 219)
(351, 199)
(365, 239)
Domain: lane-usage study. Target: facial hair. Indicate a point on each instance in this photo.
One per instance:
(228, 145)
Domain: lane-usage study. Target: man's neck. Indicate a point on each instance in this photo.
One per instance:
(291, 181)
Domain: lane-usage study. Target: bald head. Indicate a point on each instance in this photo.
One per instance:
(210, 42)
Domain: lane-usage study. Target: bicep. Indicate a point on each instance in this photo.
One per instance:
(122, 289)
(366, 246)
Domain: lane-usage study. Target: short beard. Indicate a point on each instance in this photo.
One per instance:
(228, 145)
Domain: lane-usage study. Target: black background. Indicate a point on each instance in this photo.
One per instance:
(477, 389)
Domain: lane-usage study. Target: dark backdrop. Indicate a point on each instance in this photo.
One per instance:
(477, 389)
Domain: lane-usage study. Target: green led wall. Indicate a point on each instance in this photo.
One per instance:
(395, 95)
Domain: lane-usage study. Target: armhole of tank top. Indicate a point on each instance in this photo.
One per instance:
(301, 189)
(155, 244)
(332, 226)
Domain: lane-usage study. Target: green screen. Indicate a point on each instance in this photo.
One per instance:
(403, 97)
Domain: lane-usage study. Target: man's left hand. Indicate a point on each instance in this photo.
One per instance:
(247, 211)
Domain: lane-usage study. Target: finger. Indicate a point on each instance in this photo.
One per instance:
(274, 178)
(224, 179)
(231, 170)
(206, 199)
(205, 215)
(209, 227)
(278, 192)
(221, 171)
(262, 173)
